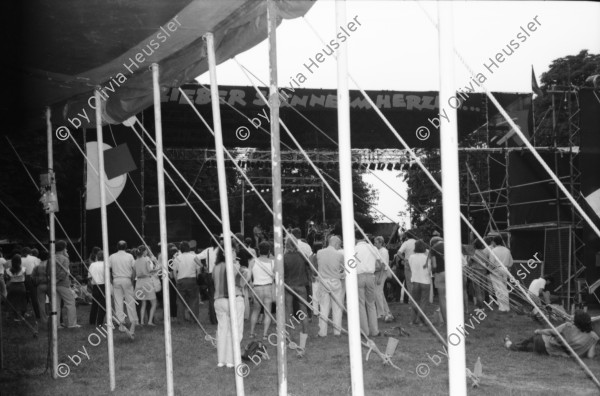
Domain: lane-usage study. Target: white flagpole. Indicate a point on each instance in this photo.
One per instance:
(277, 200)
(103, 217)
(343, 109)
(162, 218)
(52, 258)
(451, 203)
(214, 94)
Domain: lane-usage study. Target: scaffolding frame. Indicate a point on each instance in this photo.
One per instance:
(498, 198)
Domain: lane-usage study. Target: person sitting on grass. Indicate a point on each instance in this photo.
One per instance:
(579, 335)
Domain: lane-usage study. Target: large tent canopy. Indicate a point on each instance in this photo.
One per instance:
(65, 49)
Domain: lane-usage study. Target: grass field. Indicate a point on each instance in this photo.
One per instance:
(325, 370)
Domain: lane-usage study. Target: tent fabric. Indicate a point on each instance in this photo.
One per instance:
(70, 47)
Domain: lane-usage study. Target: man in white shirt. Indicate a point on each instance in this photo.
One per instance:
(499, 275)
(383, 310)
(537, 289)
(330, 263)
(367, 263)
(206, 259)
(406, 250)
(123, 273)
(185, 272)
(29, 262)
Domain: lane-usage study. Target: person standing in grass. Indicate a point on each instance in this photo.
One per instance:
(121, 264)
(499, 275)
(330, 264)
(144, 286)
(421, 280)
(366, 265)
(40, 277)
(63, 285)
(297, 276)
(17, 293)
(579, 335)
(406, 250)
(29, 262)
(185, 271)
(96, 279)
(261, 269)
(224, 331)
(438, 268)
(383, 310)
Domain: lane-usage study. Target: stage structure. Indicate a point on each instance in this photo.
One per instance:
(521, 202)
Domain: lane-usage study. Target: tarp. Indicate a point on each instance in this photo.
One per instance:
(66, 48)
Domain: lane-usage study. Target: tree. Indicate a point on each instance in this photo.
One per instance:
(566, 73)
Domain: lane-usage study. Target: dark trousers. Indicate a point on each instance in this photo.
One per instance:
(211, 300)
(190, 293)
(98, 310)
(17, 297)
(309, 299)
(32, 295)
(420, 293)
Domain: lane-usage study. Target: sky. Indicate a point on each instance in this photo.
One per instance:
(395, 47)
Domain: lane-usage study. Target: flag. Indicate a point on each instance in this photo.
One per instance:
(534, 85)
(118, 161)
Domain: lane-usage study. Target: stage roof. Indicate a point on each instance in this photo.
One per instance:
(311, 115)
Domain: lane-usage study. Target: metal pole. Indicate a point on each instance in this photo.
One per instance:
(243, 206)
(142, 189)
(214, 94)
(162, 218)
(451, 203)
(508, 188)
(104, 222)
(83, 199)
(345, 152)
(571, 302)
(323, 201)
(277, 200)
(52, 258)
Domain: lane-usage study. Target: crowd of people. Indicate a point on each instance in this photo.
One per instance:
(314, 275)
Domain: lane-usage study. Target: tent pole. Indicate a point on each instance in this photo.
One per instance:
(242, 226)
(52, 258)
(277, 199)
(162, 218)
(83, 200)
(323, 201)
(103, 217)
(345, 155)
(451, 203)
(214, 94)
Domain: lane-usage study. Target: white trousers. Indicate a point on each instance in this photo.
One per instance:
(224, 335)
